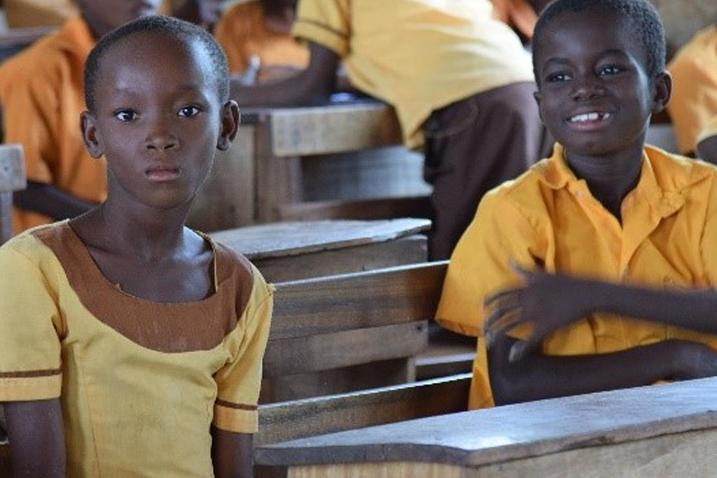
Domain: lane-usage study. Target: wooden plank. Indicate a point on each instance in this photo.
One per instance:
(23, 37)
(333, 129)
(366, 209)
(296, 238)
(301, 418)
(277, 181)
(519, 432)
(366, 299)
(12, 168)
(344, 380)
(343, 349)
(226, 199)
(406, 250)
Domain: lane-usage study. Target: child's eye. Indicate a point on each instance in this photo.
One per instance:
(126, 116)
(610, 70)
(188, 111)
(557, 77)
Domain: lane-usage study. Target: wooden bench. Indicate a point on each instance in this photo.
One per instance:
(17, 39)
(12, 178)
(349, 332)
(300, 250)
(259, 179)
(649, 432)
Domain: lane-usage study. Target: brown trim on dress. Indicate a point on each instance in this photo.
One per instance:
(31, 373)
(329, 29)
(159, 326)
(236, 406)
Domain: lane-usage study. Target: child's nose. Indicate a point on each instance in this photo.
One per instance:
(160, 139)
(586, 87)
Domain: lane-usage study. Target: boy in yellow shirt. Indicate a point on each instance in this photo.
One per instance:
(612, 241)
(460, 82)
(131, 345)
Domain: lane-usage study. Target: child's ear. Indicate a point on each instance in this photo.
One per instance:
(230, 125)
(661, 91)
(90, 136)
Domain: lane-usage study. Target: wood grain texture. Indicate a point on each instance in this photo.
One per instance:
(320, 415)
(402, 251)
(360, 209)
(320, 352)
(297, 238)
(12, 168)
(684, 455)
(366, 299)
(333, 129)
(519, 432)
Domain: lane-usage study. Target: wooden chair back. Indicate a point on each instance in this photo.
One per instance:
(349, 332)
(12, 178)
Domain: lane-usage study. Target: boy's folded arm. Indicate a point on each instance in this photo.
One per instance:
(313, 85)
(37, 443)
(540, 376)
(48, 200)
(232, 454)
(707, 149)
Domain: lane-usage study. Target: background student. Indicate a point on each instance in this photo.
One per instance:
(132, 346)
(591, 227)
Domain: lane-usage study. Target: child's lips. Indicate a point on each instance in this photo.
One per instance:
(589, 120)
(163, 173)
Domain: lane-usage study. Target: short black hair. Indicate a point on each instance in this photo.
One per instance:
(640, 14)
(163, 26)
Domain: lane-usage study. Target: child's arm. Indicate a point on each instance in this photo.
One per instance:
(37, 444)
(539, 376)
(551, 301)
(313, 85)
(232, 454)
(707, 149)
(48, 200)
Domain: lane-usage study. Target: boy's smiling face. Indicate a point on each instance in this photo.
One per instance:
(595, 92)
(158, 119)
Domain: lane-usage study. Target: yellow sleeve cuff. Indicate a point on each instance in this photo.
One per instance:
(26, 388)
(236, 418)
(324, 35)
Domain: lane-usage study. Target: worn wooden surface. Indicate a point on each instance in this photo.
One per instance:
(320, 415)
(12, 178)
(682, 414)
(364, 209)
(298, 238)
(338, 334)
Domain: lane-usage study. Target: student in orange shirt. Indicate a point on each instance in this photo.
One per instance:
(613, 240)
(260, 31)
(131, 345)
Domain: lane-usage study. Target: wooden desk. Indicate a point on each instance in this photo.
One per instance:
(652, 432)
(257, 180)
(299, 250)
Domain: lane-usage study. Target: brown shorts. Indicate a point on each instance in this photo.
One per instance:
(474, 145)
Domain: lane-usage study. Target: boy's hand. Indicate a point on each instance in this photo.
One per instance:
(547, 301)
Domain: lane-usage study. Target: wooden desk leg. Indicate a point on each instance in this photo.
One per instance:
(5, 216)
(277, 179)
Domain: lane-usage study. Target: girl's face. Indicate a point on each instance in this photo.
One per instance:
(158, 120)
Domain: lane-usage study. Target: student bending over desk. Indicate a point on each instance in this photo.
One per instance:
(131, 345)
(615, 241)
(460, 82)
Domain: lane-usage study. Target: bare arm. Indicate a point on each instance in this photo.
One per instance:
(539, 376)
(232, 454)
(707, 149)
(313, 85)
(37, 443)
(48, 200)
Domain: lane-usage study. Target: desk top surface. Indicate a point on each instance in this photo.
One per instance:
(295, 238)
(516, 431)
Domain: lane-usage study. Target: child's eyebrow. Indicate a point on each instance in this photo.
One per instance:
(564, 61)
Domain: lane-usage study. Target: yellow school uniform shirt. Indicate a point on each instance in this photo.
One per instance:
(547, 216)
(42, 96)
(694, 93)
(242, 33)
(140, 382)
(417, 55)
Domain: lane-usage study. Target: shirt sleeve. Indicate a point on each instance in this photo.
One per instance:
(480, 265)
(326, 22)
(239, 381)
(29, 331)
